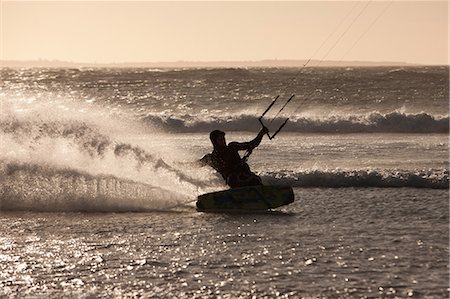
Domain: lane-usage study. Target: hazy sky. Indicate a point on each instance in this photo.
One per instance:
(111, 31)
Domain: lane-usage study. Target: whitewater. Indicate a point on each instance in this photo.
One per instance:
(99, 177)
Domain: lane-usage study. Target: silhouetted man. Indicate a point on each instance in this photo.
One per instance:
(226, 160)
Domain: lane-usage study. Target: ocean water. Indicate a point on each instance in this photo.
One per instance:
(98, 183)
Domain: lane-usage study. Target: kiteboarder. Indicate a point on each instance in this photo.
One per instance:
(226, 160)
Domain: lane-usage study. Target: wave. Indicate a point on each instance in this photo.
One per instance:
(374, 122)
(429, 179)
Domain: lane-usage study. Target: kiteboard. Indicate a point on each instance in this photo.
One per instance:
(246, 199)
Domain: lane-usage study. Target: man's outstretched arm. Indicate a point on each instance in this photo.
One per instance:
(240, 146)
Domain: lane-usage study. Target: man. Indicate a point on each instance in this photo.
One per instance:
(226, 160)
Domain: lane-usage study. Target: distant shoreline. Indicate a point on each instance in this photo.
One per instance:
(202, 64)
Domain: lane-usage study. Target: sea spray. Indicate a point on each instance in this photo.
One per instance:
(41, 188)
(73, 162)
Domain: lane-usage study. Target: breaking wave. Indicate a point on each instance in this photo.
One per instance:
(374, 122)
(430, 179)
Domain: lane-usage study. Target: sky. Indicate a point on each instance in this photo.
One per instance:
(146, 31)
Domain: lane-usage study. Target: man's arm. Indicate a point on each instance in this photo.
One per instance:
(240, 146)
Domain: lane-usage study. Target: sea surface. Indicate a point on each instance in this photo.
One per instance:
(98, 182)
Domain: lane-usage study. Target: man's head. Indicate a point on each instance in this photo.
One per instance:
(217, 138)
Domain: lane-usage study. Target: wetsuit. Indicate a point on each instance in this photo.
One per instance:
(227, 161)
